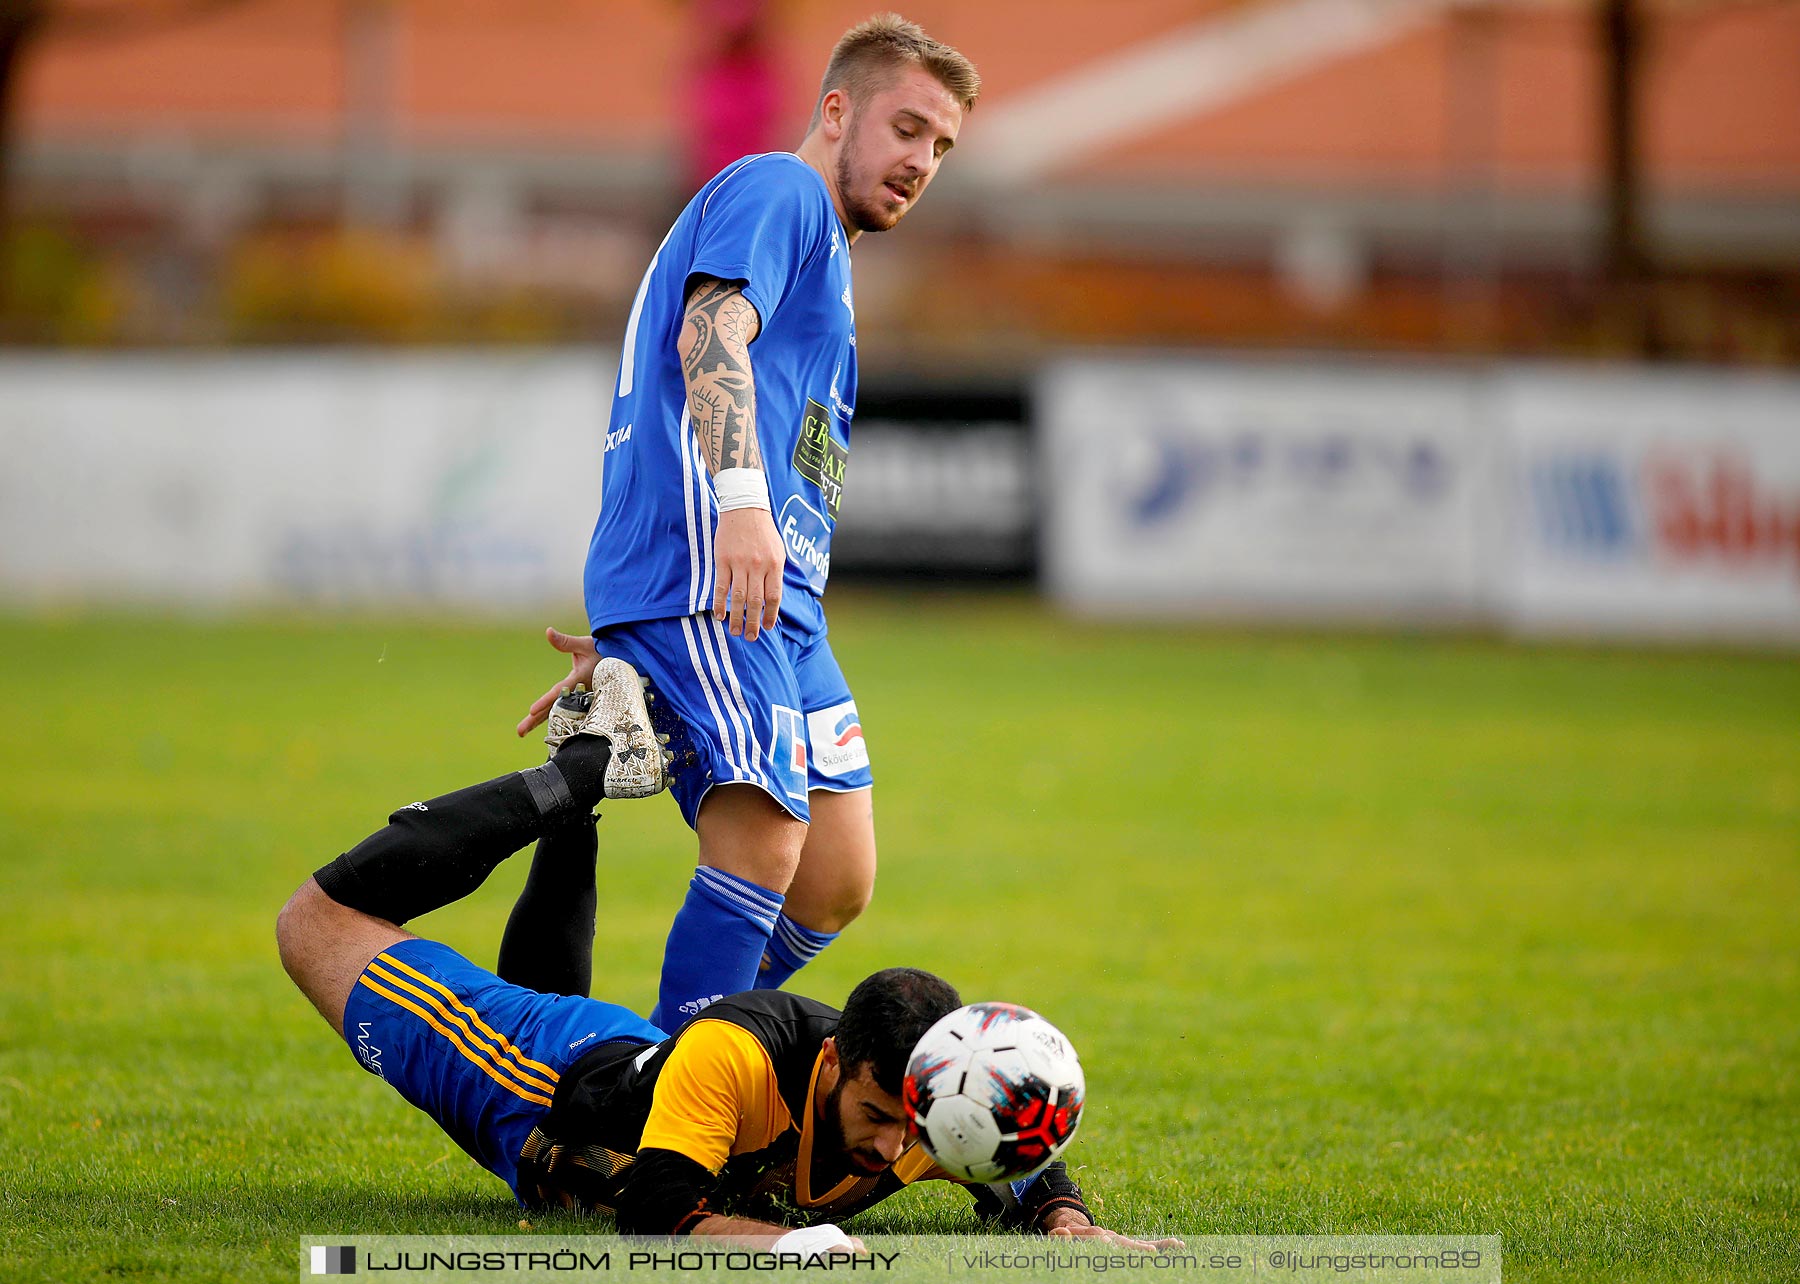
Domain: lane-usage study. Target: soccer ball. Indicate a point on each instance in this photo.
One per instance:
(994, 1091)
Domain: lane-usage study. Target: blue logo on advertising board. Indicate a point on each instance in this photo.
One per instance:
(1186, 471)
(1585, 504)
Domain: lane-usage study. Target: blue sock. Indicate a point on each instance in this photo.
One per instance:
(791, 948)
(715, 944)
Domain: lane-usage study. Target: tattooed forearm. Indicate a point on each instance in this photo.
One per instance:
(715, 359)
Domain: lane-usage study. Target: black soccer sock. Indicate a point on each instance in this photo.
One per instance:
(549, 940)
(436, 852)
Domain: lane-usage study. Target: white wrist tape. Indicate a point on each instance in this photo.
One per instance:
(812, 1242)
(741, 488)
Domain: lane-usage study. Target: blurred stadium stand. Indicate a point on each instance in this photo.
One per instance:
(1169, 332)
(1364, 174)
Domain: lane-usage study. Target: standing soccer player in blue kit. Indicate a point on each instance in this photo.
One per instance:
(724, 469)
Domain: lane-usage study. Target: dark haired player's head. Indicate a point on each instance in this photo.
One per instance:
(885, 1016)
(860, 1114)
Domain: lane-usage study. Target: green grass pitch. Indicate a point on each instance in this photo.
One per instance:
(1354, 934)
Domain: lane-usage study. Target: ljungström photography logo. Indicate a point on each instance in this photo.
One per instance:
(335, 1260)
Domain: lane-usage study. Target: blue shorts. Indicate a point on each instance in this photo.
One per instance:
(775, 713)
(478, 1055)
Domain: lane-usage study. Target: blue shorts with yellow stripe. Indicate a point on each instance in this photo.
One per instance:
(478, 1055)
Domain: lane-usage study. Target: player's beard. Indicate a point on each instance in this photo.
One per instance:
(864, 214)
(865, 1163)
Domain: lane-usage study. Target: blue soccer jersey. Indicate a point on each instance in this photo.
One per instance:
(768, 222)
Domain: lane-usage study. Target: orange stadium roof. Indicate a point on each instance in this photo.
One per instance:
(1394, 94)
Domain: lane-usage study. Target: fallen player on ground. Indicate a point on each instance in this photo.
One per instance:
(766, 1112)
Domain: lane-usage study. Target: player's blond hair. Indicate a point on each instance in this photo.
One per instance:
(869, 56)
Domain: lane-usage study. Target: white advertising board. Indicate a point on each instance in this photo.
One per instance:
(321, 478)
(1548, 500)
(1585, 501)
(1651, 503)
(1183, 486)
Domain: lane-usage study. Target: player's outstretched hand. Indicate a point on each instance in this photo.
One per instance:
(749, 558)
(582, 659)
(1078, 1230)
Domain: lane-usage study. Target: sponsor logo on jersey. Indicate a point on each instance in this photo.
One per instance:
(838, 403)
(819, 457)
(617, 438)
(838, 747)
(808, 539)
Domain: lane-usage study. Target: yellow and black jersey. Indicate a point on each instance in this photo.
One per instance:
(720, 1119)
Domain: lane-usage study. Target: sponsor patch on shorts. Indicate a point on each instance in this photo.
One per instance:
(788, 751)
(836, 733)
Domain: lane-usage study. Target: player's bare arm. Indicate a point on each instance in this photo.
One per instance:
(716, 334)
(749, 558)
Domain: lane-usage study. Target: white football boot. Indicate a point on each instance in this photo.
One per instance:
(616, 711)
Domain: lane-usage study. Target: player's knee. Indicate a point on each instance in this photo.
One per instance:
(772, 866)
(852, 883)
(744, 832)
(296, 925)
(851, 899)
(831, 904)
